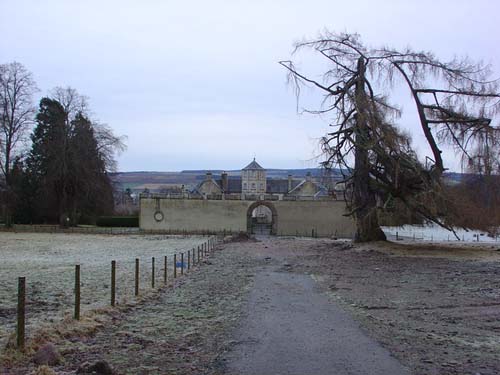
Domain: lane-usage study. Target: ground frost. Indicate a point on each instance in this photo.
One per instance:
(48, 263)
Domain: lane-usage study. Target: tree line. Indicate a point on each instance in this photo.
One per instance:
(55, 159)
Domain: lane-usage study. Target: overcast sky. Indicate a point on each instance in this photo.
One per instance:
(197, 85)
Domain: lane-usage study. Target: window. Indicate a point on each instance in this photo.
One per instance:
(253, 185)
(244, 185)
(261, 186)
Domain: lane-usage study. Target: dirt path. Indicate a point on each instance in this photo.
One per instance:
(292, 328)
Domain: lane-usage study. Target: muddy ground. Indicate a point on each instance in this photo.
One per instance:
(435, 308)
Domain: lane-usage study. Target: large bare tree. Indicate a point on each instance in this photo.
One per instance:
(17, 87)
(456, 103)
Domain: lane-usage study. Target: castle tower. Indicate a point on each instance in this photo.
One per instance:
(253, 179)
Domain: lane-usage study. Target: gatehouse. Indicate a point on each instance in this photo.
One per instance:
(249, 202)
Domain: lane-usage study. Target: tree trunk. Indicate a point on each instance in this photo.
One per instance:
(364, 200)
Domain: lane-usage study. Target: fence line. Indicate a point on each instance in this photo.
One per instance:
(411, 235)
(208, 245)
(43, 228)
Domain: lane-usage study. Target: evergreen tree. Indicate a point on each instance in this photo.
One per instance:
(92, 186)
(65, 169)
(46, 165)
(23, 196)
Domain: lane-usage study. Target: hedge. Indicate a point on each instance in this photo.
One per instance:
(117, 221)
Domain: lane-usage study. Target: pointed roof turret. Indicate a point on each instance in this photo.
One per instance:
(253, 166)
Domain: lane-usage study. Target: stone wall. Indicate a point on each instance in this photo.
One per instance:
(324, 217)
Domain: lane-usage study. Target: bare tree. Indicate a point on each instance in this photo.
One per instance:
(71, 101)
(108, 144)
(17, 87)
(75, 104)
(455, 101)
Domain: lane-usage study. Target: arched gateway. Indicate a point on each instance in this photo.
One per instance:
(253, 220)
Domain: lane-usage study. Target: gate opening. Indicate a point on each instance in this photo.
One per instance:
(262, 218)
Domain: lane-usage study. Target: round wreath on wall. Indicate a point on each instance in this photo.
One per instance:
(158, 215)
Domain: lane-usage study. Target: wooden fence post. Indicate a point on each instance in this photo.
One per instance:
(199, 254)
(182, 263)
(21, 311)
(165, 269)
(175, 266)
(77, 292)
(189, 260)
(193, 257)
(153, 272)
(136, 277)
(113, 282)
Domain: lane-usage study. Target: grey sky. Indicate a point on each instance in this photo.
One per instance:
(196, 84)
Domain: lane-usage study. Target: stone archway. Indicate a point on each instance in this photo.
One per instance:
(274, 212)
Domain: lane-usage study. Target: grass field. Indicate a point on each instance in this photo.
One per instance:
(48, 263)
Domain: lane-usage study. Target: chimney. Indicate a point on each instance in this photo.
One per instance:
(223, 177)
(290, 182)
(208, 176)
(308, 177)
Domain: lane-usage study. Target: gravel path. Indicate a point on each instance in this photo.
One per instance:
(292, 328)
